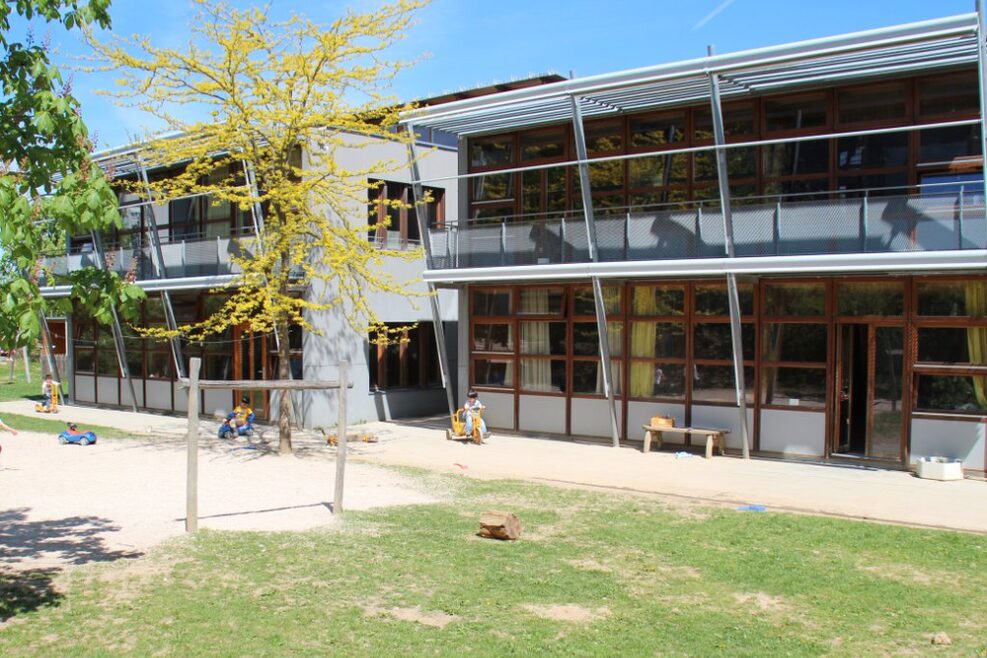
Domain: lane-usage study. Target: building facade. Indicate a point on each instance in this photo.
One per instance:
(809, 217)
(180, 253)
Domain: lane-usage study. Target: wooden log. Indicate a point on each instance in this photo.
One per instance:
(500, 525)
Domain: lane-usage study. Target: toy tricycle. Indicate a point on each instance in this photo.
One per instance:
(458, 431)
(52, 406)
(226, 430)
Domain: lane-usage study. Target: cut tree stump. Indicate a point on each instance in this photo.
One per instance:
(500, 525)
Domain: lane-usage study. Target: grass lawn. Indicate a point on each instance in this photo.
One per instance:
(17, 387)
(593, 575)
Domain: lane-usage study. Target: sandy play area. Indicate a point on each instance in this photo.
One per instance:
(63, 505)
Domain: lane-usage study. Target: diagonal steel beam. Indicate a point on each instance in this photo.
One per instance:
(598, 301)
(733, 296)
(433, 298)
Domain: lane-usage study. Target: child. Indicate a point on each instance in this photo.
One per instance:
(7, 428)
(241, 414)
(473, 404)
(46, 391)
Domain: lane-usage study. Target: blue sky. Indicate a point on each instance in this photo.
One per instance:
(471, 43)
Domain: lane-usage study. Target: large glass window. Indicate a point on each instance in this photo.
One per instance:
(543, 338)
(494, 372)
(657, 340)
(872, 151)
(492, 302)
(715, 383)
(712, 299)
(797, 158)
(948, 94)
(715, 340)
(804, 388)
(657, 130)
(794, 299)
(542, 145)
(782, 114)
(799, 342)
(491, 152)
(541, 301)
(943, 145)
(493, 337)
(857, 298)
(953, 345)
(874, 103)
(952, 298)
(658, 300)
(543, 375)
(963, 394)
(408, 363)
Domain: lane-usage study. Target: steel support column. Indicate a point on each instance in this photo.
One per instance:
(982, 70)
(433, 299)
(733, 296)
(601, 314)
(115, 326)
(161, 272)
(46, 337)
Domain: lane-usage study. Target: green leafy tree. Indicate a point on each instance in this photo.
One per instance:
(49, 187)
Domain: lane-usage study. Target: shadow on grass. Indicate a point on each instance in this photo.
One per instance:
(72, 540)
(26, 591)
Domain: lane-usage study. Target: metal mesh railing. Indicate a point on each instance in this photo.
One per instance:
(883, 224)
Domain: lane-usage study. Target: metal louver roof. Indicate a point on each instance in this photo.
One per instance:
(916, 47)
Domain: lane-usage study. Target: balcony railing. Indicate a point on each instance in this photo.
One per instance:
(183, 258)
(931, 221)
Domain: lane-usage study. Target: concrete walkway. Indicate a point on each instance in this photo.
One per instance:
(882, 495)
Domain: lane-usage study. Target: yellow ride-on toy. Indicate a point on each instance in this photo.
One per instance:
(458, 431)
(53, 407)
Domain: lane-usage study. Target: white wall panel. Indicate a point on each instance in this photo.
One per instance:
(949, 438)
(541, 413)
(591, 417)
(106, 390)
(793, 432)
(499, 413)
(726, 418)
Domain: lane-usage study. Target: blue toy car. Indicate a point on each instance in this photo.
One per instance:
(226, 430)
(73, 435)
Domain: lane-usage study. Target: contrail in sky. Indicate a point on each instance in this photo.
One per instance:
(713, 14)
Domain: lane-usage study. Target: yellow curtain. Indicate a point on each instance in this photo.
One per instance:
(643, 335)
(976, 337)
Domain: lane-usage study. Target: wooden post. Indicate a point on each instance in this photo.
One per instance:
(337, 500)
(192, 450)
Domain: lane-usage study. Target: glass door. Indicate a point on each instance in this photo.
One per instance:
(869, 421)
(250, 362)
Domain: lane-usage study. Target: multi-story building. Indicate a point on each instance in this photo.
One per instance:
(809, 216)
(179, 252)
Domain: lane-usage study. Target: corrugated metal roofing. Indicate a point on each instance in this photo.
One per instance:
(905, 49)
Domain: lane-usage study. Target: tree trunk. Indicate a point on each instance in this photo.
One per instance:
(284, 372)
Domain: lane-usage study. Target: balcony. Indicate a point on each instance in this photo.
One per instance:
(182, 259)
(864, 224)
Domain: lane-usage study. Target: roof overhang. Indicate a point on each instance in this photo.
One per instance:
(913, 48)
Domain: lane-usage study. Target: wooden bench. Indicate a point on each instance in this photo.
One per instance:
(713, 437)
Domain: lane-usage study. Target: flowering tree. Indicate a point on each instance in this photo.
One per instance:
(282, 99)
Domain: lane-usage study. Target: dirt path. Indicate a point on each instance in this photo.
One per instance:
(63, 505)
